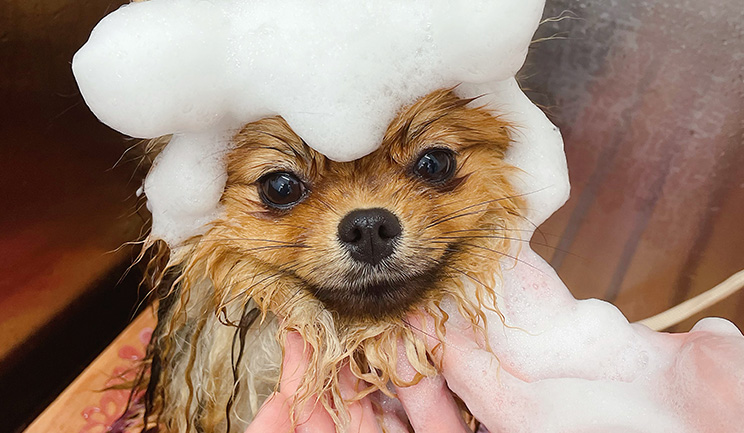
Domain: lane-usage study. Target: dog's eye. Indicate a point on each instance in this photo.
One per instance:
(436, 166)
(281, 190)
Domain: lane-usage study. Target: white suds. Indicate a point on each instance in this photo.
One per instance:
(337, 71)
(185, 184)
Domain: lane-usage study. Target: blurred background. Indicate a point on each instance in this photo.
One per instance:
(64, 210)
(649, 96)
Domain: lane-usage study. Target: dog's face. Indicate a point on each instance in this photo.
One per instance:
(371, 238)
(339, 252)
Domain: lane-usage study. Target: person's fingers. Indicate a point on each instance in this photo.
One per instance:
(471, 372)
(392, 415)
(429, 403)
(476, 376)
(274, 413)
(312, 418)
(294, 364)
(273, 417)
(315, 419)
(709, 364)
(361, 412)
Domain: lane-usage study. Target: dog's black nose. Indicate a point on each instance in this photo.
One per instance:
(369, 234)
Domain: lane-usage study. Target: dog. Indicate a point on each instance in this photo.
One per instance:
(340, 252)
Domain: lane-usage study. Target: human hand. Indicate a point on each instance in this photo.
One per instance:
(274, 416)
(566, 366)
(579, 366)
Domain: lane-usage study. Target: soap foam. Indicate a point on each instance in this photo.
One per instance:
(337, 71)
(185, 184)
(578, 366)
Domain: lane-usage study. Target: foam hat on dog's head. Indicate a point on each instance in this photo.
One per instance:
(337, 71)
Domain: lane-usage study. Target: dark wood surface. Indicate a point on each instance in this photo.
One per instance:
(650, 99)
(63, 211)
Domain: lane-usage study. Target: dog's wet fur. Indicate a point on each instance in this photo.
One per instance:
(339, 251)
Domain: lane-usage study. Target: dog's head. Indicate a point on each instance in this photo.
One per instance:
(341, 252)
(372, 238)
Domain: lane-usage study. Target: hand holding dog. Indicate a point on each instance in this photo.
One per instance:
(274, 416)
(429, 405)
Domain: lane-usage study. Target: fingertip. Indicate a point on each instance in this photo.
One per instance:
(430, 406)
(294, 347)
(294, 364)
(272, 417)
(318, 421)
(403, 369)
(347, 384)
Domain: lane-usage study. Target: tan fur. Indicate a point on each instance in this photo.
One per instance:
(255, 256)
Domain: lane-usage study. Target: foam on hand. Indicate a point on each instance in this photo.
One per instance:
(565, 365)
(338, 71)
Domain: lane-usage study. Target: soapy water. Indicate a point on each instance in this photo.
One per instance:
(338, 71)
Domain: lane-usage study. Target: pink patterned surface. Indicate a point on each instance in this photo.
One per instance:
(107, 415)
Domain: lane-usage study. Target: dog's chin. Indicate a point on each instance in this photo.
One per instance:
(378, 300)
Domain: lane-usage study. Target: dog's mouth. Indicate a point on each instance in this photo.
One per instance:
(379, 299)
(389, 292)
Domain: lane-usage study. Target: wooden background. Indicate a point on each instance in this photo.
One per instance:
(650, 99)
(63, 210)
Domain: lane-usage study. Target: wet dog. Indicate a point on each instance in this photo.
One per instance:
(339, 252)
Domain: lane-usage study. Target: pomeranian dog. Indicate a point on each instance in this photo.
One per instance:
(339, 252)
